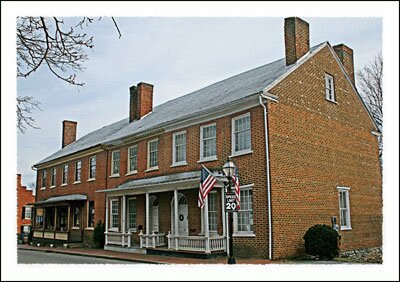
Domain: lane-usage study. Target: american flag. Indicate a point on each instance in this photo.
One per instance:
(207, 182)
(235, 179)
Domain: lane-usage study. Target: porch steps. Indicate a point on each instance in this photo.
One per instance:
(133, 249)
(184, 254)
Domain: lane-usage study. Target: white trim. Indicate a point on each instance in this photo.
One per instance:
(114, 175)
(241, 153)
(63, 185)
(174, 162)
(329, 78)
(112, 163)
(89, 228)
(373, 132)
(52, 187)
(149, 168)
(237, 233)
(76, 182)
(111, 214)
(245, 151)
(348, 217)
(42, 188)
(130, 172)
(243, 234)
(91, 179)
(209, 158)
(75, 228)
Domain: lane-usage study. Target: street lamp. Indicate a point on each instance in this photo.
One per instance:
(229, 170)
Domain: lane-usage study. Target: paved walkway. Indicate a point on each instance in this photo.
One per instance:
(154, 259)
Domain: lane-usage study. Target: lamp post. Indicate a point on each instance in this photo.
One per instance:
(229, 169)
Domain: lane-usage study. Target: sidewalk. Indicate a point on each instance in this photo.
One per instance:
(153, 259)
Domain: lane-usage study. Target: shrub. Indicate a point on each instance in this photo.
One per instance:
(322, 241)
(98, 235)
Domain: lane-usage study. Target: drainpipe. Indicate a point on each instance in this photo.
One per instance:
(268, 172)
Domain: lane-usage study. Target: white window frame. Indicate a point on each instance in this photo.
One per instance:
(53, 177)
(332, 97)
(28, 208)
(63, 176)
(129, 170)
(111, 215)
(174, 162)
(149, 168)
(348, 217)
(236, 232)
(131, 199)
(90, 168)
(112, 163)
(214, 212)
(209, 158)
(245, 151)
(80, 172)
(43, 179)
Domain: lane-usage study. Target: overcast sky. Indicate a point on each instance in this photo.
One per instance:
(177, 56)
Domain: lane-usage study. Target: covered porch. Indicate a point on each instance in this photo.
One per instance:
(162, 213)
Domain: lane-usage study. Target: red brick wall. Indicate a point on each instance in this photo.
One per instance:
(297, 39)
(315, 146)
(69, 132)
(24, 197)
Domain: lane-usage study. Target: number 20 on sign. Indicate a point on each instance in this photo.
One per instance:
(230, 202)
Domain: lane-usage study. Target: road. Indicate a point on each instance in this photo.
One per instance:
(33, 257)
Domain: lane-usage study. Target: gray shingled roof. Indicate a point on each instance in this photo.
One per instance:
(74, 197)
(204, 100)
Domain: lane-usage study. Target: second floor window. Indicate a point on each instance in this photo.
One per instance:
(53, 176)
(92, 167)
(241, 134)
(179, 148)
(132, 159)
(115, 163)
(329, 88)
(208, 142)
(64, 174)
(152, 160)
(78, 170)
(44, 178)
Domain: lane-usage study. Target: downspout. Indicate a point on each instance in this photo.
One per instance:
(268, 174)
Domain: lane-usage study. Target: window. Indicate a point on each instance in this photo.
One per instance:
(53, 177)
(329, 88)
(344, 208)
(27, 229)
(132, 214)
(241, 134)
(115, 163)
(78, 170)
(179, 148)
(44, 179)
(64, 174)
(132, 159)
(152, 158)
(212, 211)
(114, 214)
(63, 218)
(92, 167)
(244, 218)
(28, 212)
(77, 217)
(90, 214)
(208, 142)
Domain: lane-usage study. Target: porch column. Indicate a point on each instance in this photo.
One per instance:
(147, 218)
(206, 225)
(123, 219)
(176, 233)
(106, 227)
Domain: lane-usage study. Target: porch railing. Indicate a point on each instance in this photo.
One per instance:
(118, 238)
(151, 240)
(50, 234)
(196, 243)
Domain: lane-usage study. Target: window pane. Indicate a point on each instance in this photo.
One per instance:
(212, 211)
(132, 214)
(115, 158)
(153, 153)
(91, 214)
(209, 141)
(245, 214)
(132, 159)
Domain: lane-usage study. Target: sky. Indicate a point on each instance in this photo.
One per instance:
(179, 48)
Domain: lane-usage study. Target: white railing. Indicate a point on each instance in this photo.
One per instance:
(196, 243)
(117, 238)
(151, 240)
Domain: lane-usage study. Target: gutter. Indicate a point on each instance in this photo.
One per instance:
(268, 169)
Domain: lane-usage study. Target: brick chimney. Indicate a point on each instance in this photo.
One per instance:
(141, 101)
(69, 132)
(297, 39)
(345, 55)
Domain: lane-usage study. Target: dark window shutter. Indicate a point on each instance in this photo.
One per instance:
(23, 212)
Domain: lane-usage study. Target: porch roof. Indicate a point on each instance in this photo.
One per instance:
(73, 197)
(183, 177)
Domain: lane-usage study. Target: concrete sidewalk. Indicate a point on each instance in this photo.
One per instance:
(142, 258)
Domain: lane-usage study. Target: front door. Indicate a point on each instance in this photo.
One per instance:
(154, 219)
(183, 221)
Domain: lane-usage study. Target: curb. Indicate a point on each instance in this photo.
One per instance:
(91, 255)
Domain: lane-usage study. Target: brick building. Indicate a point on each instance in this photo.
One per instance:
(304, 142)
(25, 200)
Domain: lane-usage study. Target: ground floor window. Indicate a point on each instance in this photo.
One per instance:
(114, 214)
(39, 219)
(344, 208)
(212, 211)
(244, 217)
(77, 216)
(91, 214)
(27, 229)
(132, 214)
(63, 218)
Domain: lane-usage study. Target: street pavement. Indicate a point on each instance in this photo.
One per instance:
(35, 257)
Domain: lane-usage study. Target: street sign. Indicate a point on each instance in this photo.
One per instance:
(230, 202)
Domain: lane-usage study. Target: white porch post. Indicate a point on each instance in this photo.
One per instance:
(123, 219)
(224, 217)
(147, 218)
(206, 225)
(176, 218)
(106, 227)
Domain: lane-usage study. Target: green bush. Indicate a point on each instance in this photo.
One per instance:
(322, 241)
(98, 235)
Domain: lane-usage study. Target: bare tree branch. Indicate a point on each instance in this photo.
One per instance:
(25, 106)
